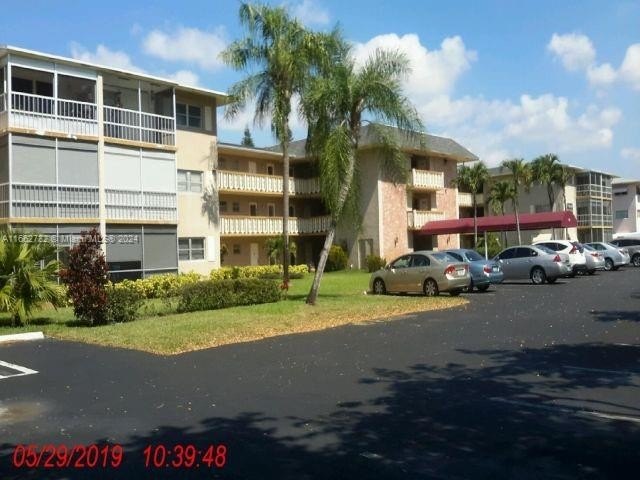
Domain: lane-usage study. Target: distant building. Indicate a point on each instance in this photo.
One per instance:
(626, 205)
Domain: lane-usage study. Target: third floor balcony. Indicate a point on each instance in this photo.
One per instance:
(426, 179)
(232, 225)
(229, 181)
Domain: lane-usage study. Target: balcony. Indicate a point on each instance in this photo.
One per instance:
(41, 113)
(49, 201)
(595, 220)
(466, 199)
(417, 218)
(593, 190)
(237, 225)
(137, 126)
(265, 184)
(141, 206)
(426, 179)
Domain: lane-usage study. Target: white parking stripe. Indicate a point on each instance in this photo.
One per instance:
(22, 370)
(568, 410)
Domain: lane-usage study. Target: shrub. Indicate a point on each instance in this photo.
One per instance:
(337, 259)
(158, 286)
(257, 271)
(216, 294)
(493, 245)
(122, 305)
(374, 263)
(86, 279)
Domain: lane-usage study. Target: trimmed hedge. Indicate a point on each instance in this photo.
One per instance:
(337, 259)
(375, 263)
(216, 294)
(122, 305)
(258, 271)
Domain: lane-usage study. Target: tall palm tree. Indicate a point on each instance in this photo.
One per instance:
(520, 178)
(278, 54)
(499, 194)
(543, 169)
(334, 106)
(27, 277)
(472, 178)
(563, 176)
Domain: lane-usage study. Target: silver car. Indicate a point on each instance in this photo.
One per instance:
(595, 259)
(483, 272)
(538, 263)
(614, 257)
(422, 272)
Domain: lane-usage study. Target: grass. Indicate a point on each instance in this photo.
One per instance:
(341, 301)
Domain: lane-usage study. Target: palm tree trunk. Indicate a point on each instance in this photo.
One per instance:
(550, 194)
(328, 241)
(504, 234)
(285, 214)
(515, 209)
(475, 221)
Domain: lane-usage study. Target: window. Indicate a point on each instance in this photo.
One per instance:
(271, 210)
(402, 262)
(270, 170)
(420, 261)
(457, 256)
(253, 209)
(235, 207)
(191, 248)
(188, 115)
(236, 249)
(507, 254)
(223, 206)
(292, 211)
(189, 181)
(222, 163)
(621, 214)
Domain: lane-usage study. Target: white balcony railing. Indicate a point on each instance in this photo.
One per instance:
(593, 190)
(237, 225)
(139, 126)
(40, 113)
(595, 220)
(427, 179)
(30, 200)
(465, 199)
(417, 218)
(137, 205)
(252, 182)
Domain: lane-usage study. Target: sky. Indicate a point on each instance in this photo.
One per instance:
(505, 79)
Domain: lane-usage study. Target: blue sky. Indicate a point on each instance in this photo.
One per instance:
(505, 79)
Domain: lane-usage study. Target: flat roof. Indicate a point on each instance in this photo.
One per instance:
(222, 97)
(497, 171)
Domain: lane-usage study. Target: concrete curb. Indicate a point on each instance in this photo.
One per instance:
(17, 337)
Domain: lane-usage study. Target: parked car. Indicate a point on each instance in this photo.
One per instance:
(614, 257)
(595, 259)
(422, 272)
(632, 245)
(483, 272)
(573, 249)
(538, 263)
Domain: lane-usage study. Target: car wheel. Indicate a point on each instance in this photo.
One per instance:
(552, 280)
(636, 260)
(608, 264)
(483, 288)
(430, 288)
(378, 287)
(538, 276)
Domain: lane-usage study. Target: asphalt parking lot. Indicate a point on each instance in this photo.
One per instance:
(524, 382)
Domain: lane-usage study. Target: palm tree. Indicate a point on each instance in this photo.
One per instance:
(543, 170)
(334, 106)
(27, 277)
(472, 179)
(563, 176)
(520, 177)
(278, 54)
(499, 194)
(274, 249)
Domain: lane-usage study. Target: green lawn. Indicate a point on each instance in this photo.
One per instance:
(341, 301)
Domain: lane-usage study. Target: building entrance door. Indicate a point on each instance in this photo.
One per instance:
(254, 252)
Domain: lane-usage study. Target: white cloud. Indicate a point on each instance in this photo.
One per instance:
(630, 153)
(601, 75)
(185, 77)
(575, 51)
(104, 56)
(433, 71)
(310, 12)
(630, 68)
(187, 45)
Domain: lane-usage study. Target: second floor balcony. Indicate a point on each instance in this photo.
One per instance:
(426, 179)
(268, 226)
(595, 220)
(593, 190)
(229, 181)
(417, 218)
(465, 199)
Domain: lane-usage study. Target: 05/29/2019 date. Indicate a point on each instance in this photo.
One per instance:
(112, 456)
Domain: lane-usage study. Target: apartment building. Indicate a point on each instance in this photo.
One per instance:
(626, 206)
(587, 195)
(83, 145)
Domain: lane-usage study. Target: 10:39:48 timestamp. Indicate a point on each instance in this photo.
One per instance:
(185, 456)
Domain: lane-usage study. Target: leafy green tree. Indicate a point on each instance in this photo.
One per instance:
(499, 194)
(562, 177)
(543, 170)
(520, 179)
(277, 54)
(27, 276)
(274, 247)
(473, 179)
(335, 105)
(247, 139)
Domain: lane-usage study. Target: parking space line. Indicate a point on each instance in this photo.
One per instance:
(568, 410)
(18, 368)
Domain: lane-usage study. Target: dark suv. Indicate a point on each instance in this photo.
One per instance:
(631, 244)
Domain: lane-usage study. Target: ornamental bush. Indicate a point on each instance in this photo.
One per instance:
(86, 279)
(337, 259)
(257, 271)
(375, 263)
(122, 305)
(216, 294)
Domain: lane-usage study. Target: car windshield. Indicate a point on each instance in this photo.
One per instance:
(545, 249)
(473, 256)
(443, 257)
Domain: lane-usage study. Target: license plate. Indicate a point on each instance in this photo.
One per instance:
(496, 269)
(460, 272)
